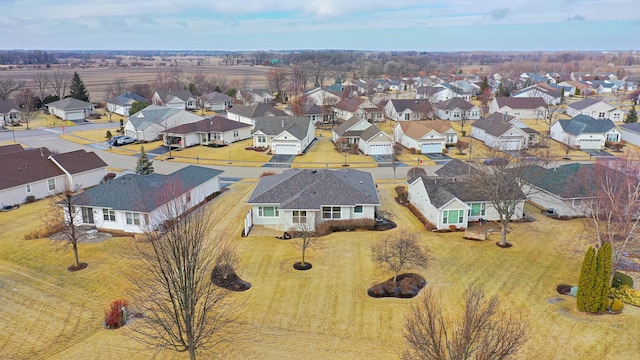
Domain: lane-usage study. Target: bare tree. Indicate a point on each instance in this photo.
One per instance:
(28, 102)
(182, 309)
(199, 83)
(59, 81)
(277, 78)
(8, 86)
(415, 171)
(305, 238)
(176, 77)
(483, 332)
(300, 74)
(396, 151)
(163, 81)
(117, 87)
(399, 252)
(67, 219)
(42, 83)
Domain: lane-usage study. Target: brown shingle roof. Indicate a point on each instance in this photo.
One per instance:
(8, 149)
(521, 102)
(418, 129)
(79, 161)
(350, 105)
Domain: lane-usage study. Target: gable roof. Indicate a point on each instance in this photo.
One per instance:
(453, 103)
(520, 102)
(565, 181)
(11, 148)
(633, 127)
(418, 129)
(215, 97)
(8, 105)
(495, 128)
(183, 95)
(29, 166)
(208, 125)
(350, 105)
(455, 168)
(311, 189)
(583, 124)
(155, 114)
(583, 104)
(275, 125)
(135, 192)
(256, 111)
(69, 104)
(412, 104)
(343, 129)
(502, 117)
(127, 98)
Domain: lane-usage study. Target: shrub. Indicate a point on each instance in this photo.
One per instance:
(453, 227)
(620, 279)
(108, 135)
(412, 150)
(108, 177)
(616, 305)
(354, 149)
(267, 173)
(626, 294)
(30, 199)
(327, 227)
(116, 315)
(403, 194)
(427, 224)
(42, 232)
(445, 151)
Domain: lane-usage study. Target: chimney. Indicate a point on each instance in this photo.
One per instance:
(282, 120)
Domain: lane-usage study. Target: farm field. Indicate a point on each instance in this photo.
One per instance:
(323, 312)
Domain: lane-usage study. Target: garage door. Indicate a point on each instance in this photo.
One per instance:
(590, 144)
(510, 145)
(380, 149)
(431, 148)
(286, 149)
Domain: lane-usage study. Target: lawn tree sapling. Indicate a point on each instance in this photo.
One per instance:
(305, 237)
(396, 151)
(398, 252)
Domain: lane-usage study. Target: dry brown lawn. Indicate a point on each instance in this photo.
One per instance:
(231, 154)
(323, 154)
(49, 313)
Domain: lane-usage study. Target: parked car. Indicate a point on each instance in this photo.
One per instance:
(113, 139)
(124, 141)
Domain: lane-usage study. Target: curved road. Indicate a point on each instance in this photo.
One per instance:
(49, 137)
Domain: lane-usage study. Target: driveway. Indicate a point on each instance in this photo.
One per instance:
(386, 161)
(597, 153)
(280, 161)
(439, 158)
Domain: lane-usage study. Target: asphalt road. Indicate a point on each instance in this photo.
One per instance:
(49, 137)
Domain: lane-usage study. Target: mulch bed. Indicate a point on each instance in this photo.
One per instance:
(231, 281)
(563, 289)
(385, 225)
(407, 286)
(73, 268)
(505, 246)
(300, 266)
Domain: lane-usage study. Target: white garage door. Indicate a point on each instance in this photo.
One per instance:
(380, 149)
(431, 148)
(590, 144)
(286, 149)
(510, 145)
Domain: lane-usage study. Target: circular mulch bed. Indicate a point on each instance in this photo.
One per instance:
(563, 289)
(406, 286)
(505, 246)
(385, 225)
(73, 268)
(225, 277)
(301, 266)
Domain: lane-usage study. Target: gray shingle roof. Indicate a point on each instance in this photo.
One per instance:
(634, 127)
(455, 168)
(583, 104)
(69, 104)
(583, 124)
(275, 125)
(183, 95)
(521, 102)
(565, 181)
(215, 97)
(413, 104)
(7, 105)
(495, 128)
(441, 190)
(311, 189)
(256, 110)
(154, 114)
(342, 129)
(127, 98)
(454, 103)
(213, 124)
(140, 193)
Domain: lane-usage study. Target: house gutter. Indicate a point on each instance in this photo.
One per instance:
(69, 177)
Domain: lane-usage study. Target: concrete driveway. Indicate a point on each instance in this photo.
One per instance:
(280, 161)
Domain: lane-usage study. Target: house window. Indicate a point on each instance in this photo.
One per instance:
(452, 216)
(28, 188)
(189, 196)
(87, 215)
(108, 215)
(262, 139)
(577, 202)
(331, 212)
(235, 133)
(478, 209)
(601, 115)
(132, 218)
(299, 217)
(268, 211)
(613, 137)
(357, 209)
(449, 139)
(52, 184)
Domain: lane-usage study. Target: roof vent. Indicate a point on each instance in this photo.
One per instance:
(313, 171)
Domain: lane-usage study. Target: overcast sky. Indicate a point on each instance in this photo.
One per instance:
(442, 25)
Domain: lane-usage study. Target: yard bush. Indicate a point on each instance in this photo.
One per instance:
(108, 177)
(267, 173)
(620, 279)
(427, 224)
(30, 199)
(626, 294)
(412, 150)
(42, 232)
(108, 135)
(403, 194)
(616, 305)
(116, 315)
(327, 227)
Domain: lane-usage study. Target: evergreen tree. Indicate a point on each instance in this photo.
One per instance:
(585, 297)
(77, 90)
(144, 166)
(603, 285)
(484, 85)
(632, 116)
(137, 106)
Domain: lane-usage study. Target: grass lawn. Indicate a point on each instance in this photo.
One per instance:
(53, 314)
(323, 153)
(234, 153)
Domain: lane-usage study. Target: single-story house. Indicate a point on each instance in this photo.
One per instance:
(585, 132)
(70, 109)
(431, 136)
(370, 139)
(485, 129)
(122, 103)
(216, 101)
(524, 108)
(306, 197)
(347, 108)
(448, 202)
(9, 112)
(40, 173)
(408, 109)
(179, 99)
(255, 96)
(316, 113)
(140, 200)
(456, 109)
(500, 135)
(595, 108)
(149, 123)
(284, 135)
(563, 188)
(630, 133)
(455, 168)
(214, 130)
(249, 113)
(551, 96)
(322, 96)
